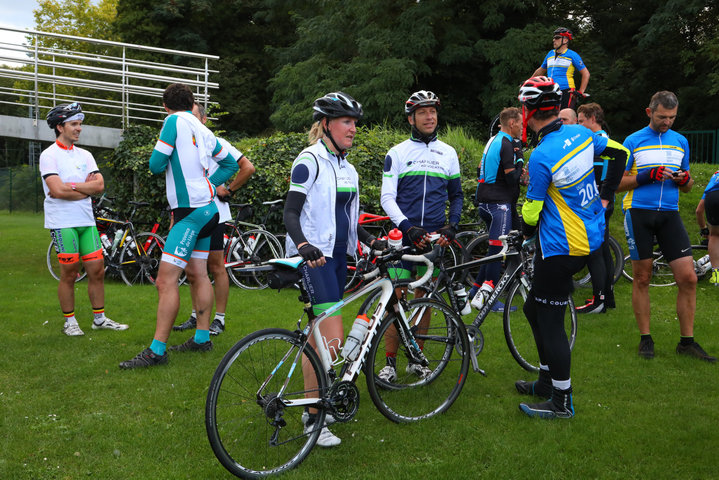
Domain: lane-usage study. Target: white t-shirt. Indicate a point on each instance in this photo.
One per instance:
(71, 165)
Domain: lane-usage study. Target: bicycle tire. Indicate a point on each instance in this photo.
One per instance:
(475, 250)
(53, 265)
(662, 275)
(583, 278)
(140, 258)
(253, 247)
(445, 345)
(518, 333)
(238, 418)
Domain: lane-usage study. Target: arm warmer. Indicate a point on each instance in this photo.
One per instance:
(618, 155)
(293, 207)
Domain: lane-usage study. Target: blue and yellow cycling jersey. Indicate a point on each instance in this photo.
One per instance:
(648, 149)
(561, 67)
(561, 173)
(713, 184)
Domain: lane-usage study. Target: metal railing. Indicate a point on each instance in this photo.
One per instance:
(703, 145)
(111, 80)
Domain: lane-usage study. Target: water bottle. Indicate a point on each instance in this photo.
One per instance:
(395, 239)
(105, 241)
(351, 348)
(250, 245)
(482, 295)
(116, 240)
(703, 265)
(464, 306)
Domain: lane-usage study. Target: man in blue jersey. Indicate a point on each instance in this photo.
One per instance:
(560, 65)
(564, 210)
(498, 176)
(183, 153)
(421, 176)
(657, 170)
(709, 207)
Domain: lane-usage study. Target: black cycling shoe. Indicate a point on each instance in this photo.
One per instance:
(190, 324)
(144, 359)
(535, 388)
(216, 327)
(192, 346)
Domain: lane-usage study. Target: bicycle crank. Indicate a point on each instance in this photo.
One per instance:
(344, 400)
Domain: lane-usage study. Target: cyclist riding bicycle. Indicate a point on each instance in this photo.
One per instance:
(560, 64)
(321, 216)
(69, 177)
(564, 210)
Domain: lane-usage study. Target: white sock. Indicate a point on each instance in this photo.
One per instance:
(220, 317)
(562, 384)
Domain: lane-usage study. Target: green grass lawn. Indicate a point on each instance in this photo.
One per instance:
(68, 412)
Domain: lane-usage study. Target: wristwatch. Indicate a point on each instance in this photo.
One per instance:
(73, 186)
(232, 192)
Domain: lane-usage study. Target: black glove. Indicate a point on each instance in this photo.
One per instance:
(449, 231)
(309, 252)
(704, 232)
(416, 235)
(379, 244)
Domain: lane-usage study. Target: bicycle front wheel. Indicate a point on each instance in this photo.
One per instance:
(251, 429)
(583, 277)
(518, 332)
(251, 249)
(414, 395)
(53, 264)
(662, 275)
(140, 258)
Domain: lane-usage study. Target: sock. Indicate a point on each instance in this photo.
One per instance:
(562, 384)
(646, 336)
(193, 314)
(220, 317)
(311, 418)
(99, 314)
(70, 317)
(158, 347)
(686, 340)
(391, 359)
(202, 336)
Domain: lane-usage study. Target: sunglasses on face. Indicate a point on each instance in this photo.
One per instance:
(557, 37)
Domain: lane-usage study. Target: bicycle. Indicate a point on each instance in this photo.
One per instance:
(134, 256)
(244, 248)
(254, 406)
(662, 275)
(514, 284)
(584, 278)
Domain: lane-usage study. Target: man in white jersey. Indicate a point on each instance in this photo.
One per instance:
(183, 152)
(69, 177)
(216, 259)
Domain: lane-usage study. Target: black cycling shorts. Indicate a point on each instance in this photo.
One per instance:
(217, 238)
(642, 226)
(711, 207)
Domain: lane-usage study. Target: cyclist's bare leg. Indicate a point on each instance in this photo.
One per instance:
(642, 270)
(66, 287)
(200, 290)
(713, 245)
(168, 302)
(333, 332)
(684, 274)
(96, 282)
(216, 265)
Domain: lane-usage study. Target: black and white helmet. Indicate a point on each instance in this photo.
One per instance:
(335, 105)
(422, 98)
(540, 92)
(62, 113)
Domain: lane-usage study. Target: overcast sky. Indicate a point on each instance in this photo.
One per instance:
(15, 14)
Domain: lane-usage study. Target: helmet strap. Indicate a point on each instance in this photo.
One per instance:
(526, 115)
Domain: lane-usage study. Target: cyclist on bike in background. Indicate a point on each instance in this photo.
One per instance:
(560, 65)
(216, 258)
(69, 177)
(184, 151)
(657, 170)
(564, 210)
(498, 176)
(321, 216)
(600, 264)
(709, 207)
(421, 175)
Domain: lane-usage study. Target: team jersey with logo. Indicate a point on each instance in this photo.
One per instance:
(561, 67)
(224, 207)
(561, 173)
(418, 181)
(713, 184)
(184, 152)
(648, 149)
(492, 184)
(71, 165)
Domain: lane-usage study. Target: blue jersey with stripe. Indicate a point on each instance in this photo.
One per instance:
(561, 67)
(561, 172)
(713, 184)
(648, 149)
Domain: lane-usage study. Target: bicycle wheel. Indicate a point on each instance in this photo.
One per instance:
(444, 344)
(250, 428)
(583, 278)
(252, 248)
(475, 250)
(662, 275)
(518, 333)
(140, 258)
(53, 264)
(699, 251)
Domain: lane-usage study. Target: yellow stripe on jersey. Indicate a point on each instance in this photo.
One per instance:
(574, 229)
(659, 147)
(571, 154)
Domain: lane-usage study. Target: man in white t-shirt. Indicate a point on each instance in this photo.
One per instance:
(69, 177)
(216, 258)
